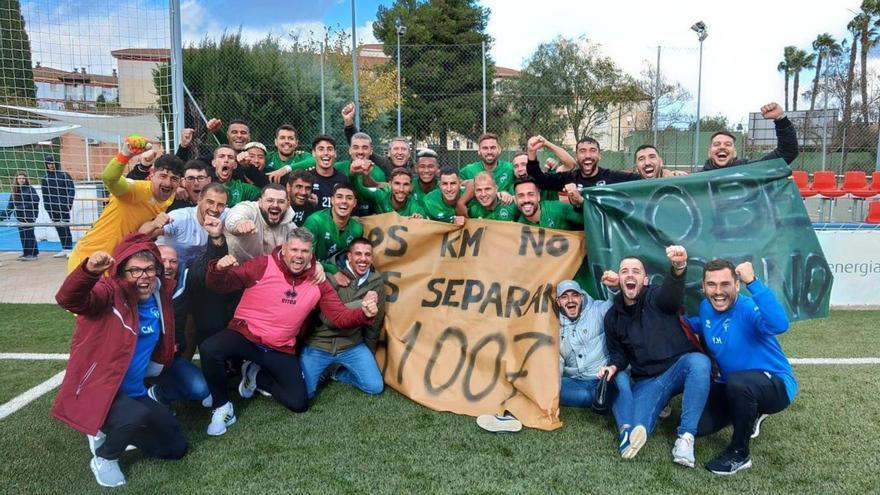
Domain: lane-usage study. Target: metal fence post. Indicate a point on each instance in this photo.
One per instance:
(484, 85)
(354, 66)
(657, 96)
(323, 116)
(176, 73)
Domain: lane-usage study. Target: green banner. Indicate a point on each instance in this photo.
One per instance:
(747, 213)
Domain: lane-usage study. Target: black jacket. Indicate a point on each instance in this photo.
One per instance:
(24, 203)
(557, 181)
(58, 190)
(786, 147)
(382, 161)
(649, 338)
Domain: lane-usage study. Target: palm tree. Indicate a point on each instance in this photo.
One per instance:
(826, 46)
(870, 9)
(785, 67)
(800, 60)
(854, 28)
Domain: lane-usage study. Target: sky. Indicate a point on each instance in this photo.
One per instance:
(740, 56)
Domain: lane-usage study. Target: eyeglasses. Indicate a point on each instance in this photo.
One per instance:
(198, 178)
(138, 272)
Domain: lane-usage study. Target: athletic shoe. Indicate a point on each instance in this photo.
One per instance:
(757, 429)
(27, 258)
(151, 393)
(107, 472)
(208, 401)
(499, 424)
(64, 253)
(248, 382)
(264, 393)
(631, 441)
(729, 462)
(683, 450)
(665, 412)
(221, 418)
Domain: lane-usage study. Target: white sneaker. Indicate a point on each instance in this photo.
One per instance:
(499, 424)
(107, 472)
(248, 383)
(221, 418)
(61, 254)
(683, 450)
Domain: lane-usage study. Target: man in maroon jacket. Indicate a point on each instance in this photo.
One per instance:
(279, 293)
(124, 332)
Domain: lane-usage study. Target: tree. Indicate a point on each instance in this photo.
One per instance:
(15, 57)
(532, 112)
(711, 123)
(583, 82)
(800, 60)
(442, 78)
(669, 98)
(785, 67)
(825, 46)
(867, 38)
(854, 26)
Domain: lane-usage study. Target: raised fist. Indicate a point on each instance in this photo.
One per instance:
(213, 226)
(186, 137)
(149, 157)
(369, 307)
(277, 175)
(214, 125)
(371, 295)
(135, 145)
(99, 262)
(610, 279)
(772, 111)
(161, 220)
(227, 262)
(746, 272)
(246, 227)
(677, 256)
(348, 114)
(243, 158)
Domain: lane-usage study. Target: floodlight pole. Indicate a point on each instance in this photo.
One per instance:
(700, 29)
(176, 74)
(399, 27)
(354, 67)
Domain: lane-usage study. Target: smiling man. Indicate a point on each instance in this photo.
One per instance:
(501, 170)
(755, 378)
(647, 344)
(279, 295)
(395, 196)
(224, 167)
(299, 192)
(481, 199)
(334, 229)
(587, 174)
(286, 158)
(350, 348)
(132, 203)
(550, 214)
(441, 202)
(255, 228)
(722, 145)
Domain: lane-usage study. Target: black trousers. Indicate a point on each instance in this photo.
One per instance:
(280, 373)
(63, 230)
(28, 241)
(739, 402)
(144, 423)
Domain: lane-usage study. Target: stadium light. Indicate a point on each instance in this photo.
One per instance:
(401, 30)
(702, 33)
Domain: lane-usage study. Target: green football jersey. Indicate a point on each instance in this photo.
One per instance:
(329, 240)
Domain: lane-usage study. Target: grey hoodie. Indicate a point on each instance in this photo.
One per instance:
(582, 348)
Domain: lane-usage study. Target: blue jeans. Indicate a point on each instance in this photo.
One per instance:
(359, 368)
(575, 392)
(690, 374)
(181, 381)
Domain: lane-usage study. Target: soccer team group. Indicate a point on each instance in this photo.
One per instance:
(257, 259)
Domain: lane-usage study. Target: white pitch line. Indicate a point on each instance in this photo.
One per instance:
(867, 360)
(34, 357)
(31, 395)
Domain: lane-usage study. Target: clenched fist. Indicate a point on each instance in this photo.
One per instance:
(677, 256)
(227, 262)
(610, 279)
(348, 114)
(186, 137)
(214, 125)
(369, 307)
(772, 111)
(99, 262)
(246, 227)
(746, 272)
(135, 145)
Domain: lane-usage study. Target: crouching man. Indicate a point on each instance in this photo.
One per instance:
(350, 348)
(124, 332)
(755, 377)
(279, 293)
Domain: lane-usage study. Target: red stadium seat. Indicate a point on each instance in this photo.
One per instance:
(825, 183)
(802, 180)
(869, 192)
(873, 212)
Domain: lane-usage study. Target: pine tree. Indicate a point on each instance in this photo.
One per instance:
(17, 87)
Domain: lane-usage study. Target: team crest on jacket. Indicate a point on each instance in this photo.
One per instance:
(289, 297)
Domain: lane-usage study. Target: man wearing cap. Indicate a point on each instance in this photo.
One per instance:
(58, 192)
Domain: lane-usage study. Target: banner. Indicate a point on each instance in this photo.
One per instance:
(470, 324)
(746, 213)
(854, 258)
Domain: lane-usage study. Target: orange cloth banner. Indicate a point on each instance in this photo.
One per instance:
(470, 324)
